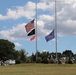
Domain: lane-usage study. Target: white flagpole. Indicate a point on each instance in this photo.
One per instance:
(36, 34)
(56, 30)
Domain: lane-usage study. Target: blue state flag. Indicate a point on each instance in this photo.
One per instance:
(50, 36)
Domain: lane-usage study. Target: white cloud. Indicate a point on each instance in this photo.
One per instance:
(17, 44)
(40, 28)
(45, 24)
(14, 33)
(19, 32)
(46, 17)
(44, 51)
(45, 6)
(66, 19)
(68, 27)
(27, 11)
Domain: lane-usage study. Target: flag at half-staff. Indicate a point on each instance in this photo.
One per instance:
(50, 36)
(30, 29)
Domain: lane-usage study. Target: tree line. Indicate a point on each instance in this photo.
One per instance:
(8, 51)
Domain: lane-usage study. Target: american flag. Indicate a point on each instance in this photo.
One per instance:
(29, 26)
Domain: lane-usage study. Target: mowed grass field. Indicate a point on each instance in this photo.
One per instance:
(38, 69)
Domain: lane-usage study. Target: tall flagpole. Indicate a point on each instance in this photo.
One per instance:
(36, 34)
(56, 29)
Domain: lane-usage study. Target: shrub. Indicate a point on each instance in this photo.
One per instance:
(18, 61)
(45, 60)
(39, 60)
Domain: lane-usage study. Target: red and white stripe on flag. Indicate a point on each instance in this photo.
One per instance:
(29, 26)
(31, 39)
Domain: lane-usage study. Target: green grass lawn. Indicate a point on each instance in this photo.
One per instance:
(38, 69)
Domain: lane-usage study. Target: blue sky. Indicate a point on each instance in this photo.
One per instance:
(14, 15)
